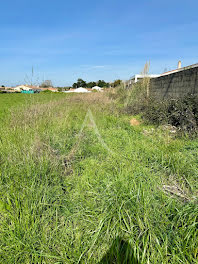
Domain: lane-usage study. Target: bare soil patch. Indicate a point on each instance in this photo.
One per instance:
(134, 122)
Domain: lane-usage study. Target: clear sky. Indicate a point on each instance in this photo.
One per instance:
(94, 39)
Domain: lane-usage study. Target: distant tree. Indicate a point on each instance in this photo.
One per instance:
(91, 84)
(81, 83)
(101, 83)
(60, 89)
(75, 85)
(46, 84)
(2, 86)
(117, 83)
(66, 88)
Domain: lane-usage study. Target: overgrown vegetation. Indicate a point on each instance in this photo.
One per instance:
(181, 113)
(67, 198)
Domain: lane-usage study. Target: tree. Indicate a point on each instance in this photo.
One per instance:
(75, 85)
(81, 83)
(2, 86)
(102, 83)
(66, 88)
(46, 84)
(117, 83)
(91, 84)
(60, 89)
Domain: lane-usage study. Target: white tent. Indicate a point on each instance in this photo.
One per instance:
(81, 90)
(78, 90)
(97, 88)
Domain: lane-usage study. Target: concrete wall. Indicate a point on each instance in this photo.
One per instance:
(175, 85)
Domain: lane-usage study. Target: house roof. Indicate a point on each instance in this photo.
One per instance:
(144, 75)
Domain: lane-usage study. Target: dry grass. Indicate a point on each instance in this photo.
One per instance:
(134, 122)
(34, 113)
(97, 98)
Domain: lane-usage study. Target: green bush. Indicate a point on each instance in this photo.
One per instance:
(181, 113)
(47, 91)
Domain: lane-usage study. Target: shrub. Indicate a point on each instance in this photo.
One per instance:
(181, 113)
(47, 91)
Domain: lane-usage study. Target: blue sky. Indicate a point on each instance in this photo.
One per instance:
(104, 39)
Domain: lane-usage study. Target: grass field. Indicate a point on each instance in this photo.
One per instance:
(94, 189)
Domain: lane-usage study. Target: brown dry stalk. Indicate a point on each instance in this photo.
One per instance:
(176, 190)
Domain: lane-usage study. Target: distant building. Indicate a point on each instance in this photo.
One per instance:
(138, 77)
(97, 88)
(21, 88)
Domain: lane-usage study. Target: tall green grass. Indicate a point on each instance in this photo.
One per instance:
(93, 206)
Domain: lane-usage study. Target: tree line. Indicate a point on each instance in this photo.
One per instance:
(101, 83)
(81, 83)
